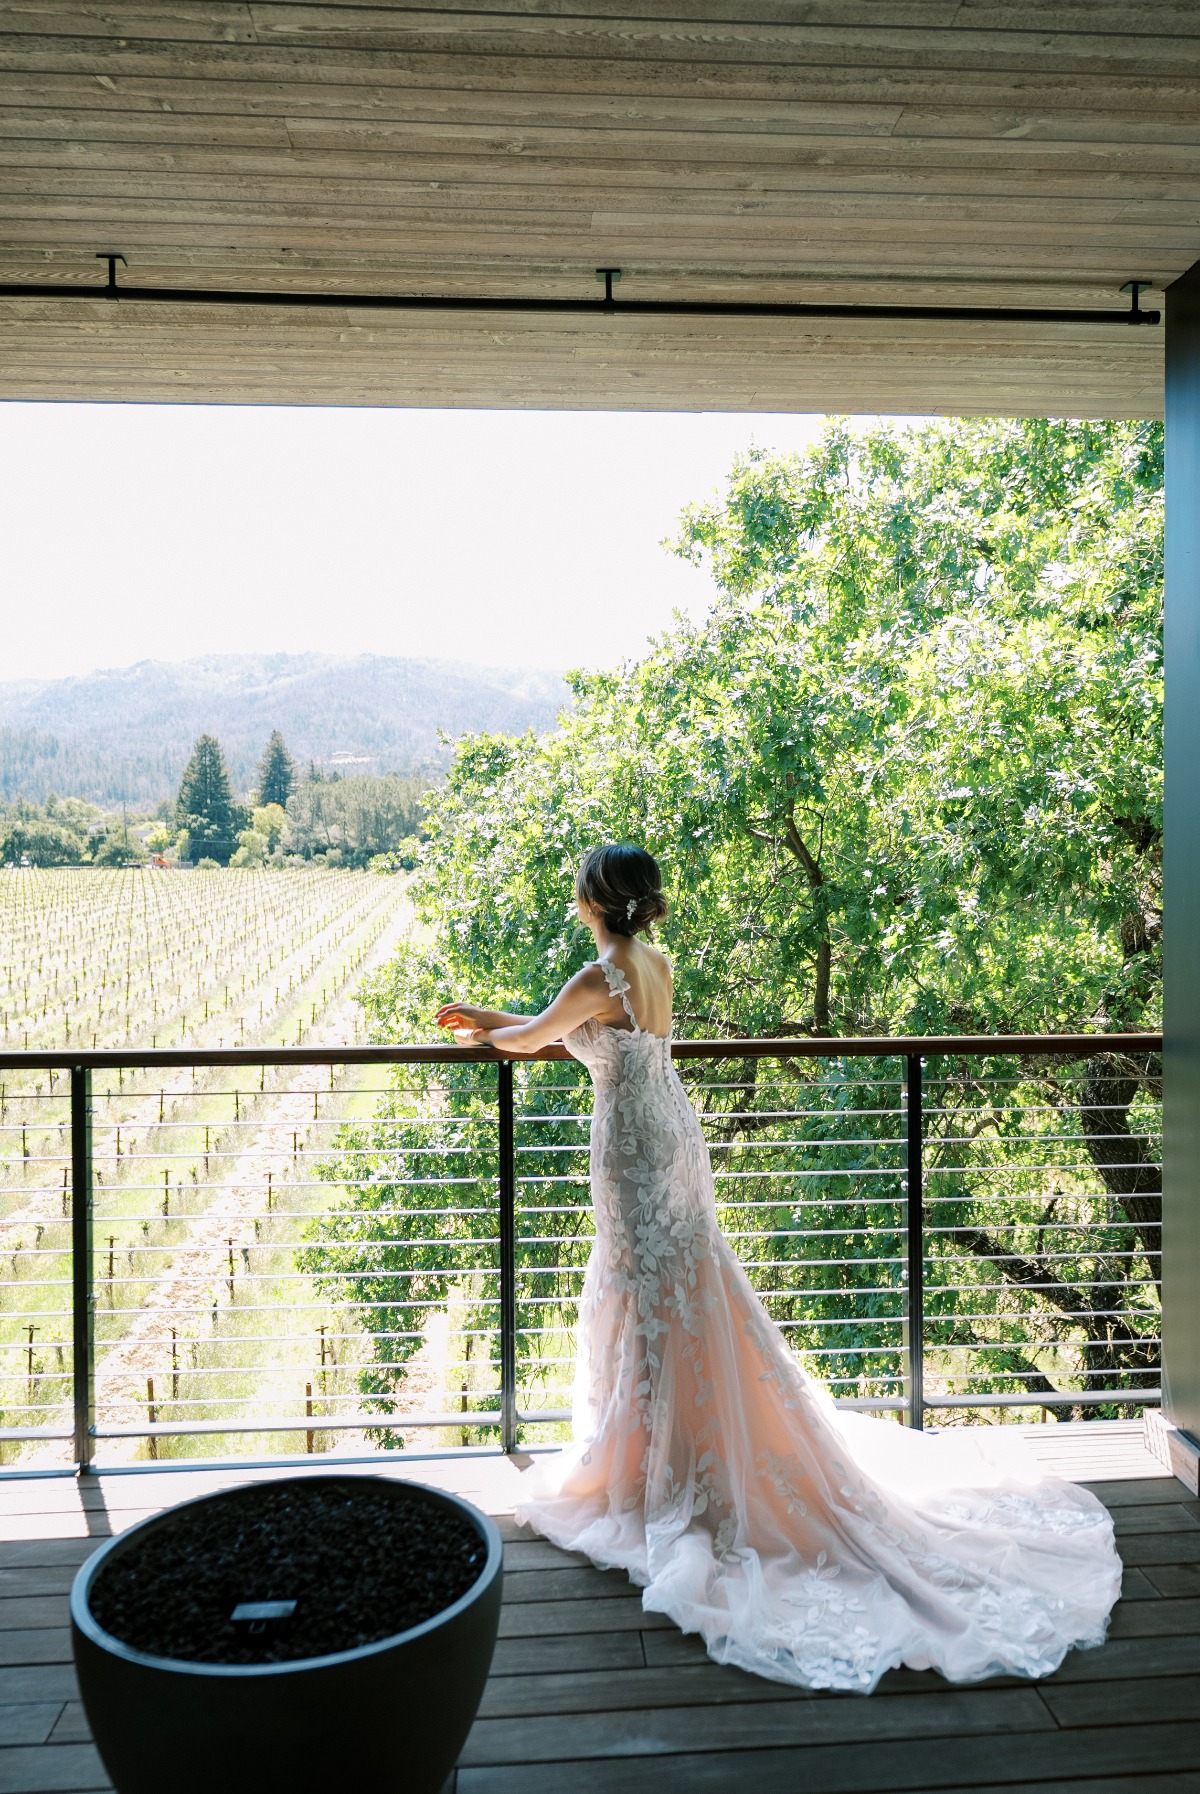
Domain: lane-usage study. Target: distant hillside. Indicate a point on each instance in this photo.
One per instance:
(126, 733)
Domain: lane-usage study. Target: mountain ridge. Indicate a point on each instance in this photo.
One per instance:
(124, 733)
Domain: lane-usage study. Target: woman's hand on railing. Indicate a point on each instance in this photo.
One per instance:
(465, 1032)
(471, 1025)
(468, 1023)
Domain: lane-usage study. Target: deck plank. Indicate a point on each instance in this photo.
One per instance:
(675, 1678)
(28, 1722)
(1126, 1659)
(53, 1769)
(22, 1554)
(539, 1554)
(27, 1611)
(1174, 1516)
(586, 1651)
(1147, 1491)
(565, 1584)
(39, 1682)
(45, 1644)
(1137, 1586)
(1145, 1548)
(876, 1767)
(39, 1580)
(542, 1619)
(1174, 1580)
(1106, 1703)
(71, 1726)
(610, 1691)
(1181, 1781)
(1155, 1619)
(811, 1722)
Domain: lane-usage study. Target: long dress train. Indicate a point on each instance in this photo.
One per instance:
(802, 1544)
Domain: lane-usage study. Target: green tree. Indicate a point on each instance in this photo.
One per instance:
(356, 817)
(905, 777)
(41, 843)
(119, 848)
(262, 837)
(251, 849)
(269, 821)
(72, 813)
(205, 809)
(277, 774)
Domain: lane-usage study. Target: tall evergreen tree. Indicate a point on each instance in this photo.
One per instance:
(205, 806)
(277, 774)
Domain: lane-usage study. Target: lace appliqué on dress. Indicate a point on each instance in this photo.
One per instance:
(721, 1478)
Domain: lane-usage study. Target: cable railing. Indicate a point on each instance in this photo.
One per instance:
(307, 1250)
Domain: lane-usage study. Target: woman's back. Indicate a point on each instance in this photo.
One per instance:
(647, 975)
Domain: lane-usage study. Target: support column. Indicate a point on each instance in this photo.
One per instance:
(1179, 1438)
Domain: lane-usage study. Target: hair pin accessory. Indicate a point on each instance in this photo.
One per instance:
(629, 909)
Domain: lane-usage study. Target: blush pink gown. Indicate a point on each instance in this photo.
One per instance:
(801, 1544)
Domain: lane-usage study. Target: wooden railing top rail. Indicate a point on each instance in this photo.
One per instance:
(902, 1046)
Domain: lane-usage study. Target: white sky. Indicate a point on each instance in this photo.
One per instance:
(137, 532)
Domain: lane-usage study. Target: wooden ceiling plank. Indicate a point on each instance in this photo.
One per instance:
(149, 127)
(365, 197)
(1161, 18)
(766, 150)
(218, 21)
(314, 170)
(738, 40)
(612, 114)
(498, 236)
(671, 232)
(516, 82)
(490, 390)
(578, 38)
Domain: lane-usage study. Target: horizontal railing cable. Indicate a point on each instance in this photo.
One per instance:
(399, 1244)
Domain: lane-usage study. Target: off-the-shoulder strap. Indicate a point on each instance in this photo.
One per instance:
(618, 985)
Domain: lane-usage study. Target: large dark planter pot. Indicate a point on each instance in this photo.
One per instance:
(388, 1716)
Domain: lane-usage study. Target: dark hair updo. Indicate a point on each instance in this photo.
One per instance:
(625, 885)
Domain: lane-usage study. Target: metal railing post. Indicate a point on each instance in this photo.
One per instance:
(508, 1257)
(915, 1233)
(83, 1295)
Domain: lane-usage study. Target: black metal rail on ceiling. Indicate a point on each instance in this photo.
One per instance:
(920, 1235)
(607, 306)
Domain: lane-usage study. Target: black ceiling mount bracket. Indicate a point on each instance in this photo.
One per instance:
(1135, 289)
(608, 276)
(639, 308)
(103, 255)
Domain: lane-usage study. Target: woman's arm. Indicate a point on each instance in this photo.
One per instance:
(469, 1015)
(582, 997)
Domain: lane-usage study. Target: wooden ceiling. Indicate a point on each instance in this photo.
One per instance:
(898, 151)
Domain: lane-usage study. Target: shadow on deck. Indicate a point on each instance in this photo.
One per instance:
(590, 1695)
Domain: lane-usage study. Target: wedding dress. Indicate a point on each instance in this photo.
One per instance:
(802, 1543)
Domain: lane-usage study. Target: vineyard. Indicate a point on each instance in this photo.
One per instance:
(307, 1258)
(203, 1192)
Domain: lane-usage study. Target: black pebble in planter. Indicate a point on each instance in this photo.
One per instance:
(368, 1684)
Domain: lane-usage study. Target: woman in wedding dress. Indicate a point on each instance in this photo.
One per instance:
(802, 1543)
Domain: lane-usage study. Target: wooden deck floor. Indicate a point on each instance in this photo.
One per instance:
(589, 1695)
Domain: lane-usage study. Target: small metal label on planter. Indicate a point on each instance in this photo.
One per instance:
(257, 1615)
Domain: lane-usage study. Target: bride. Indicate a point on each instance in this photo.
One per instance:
(803, 1543)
